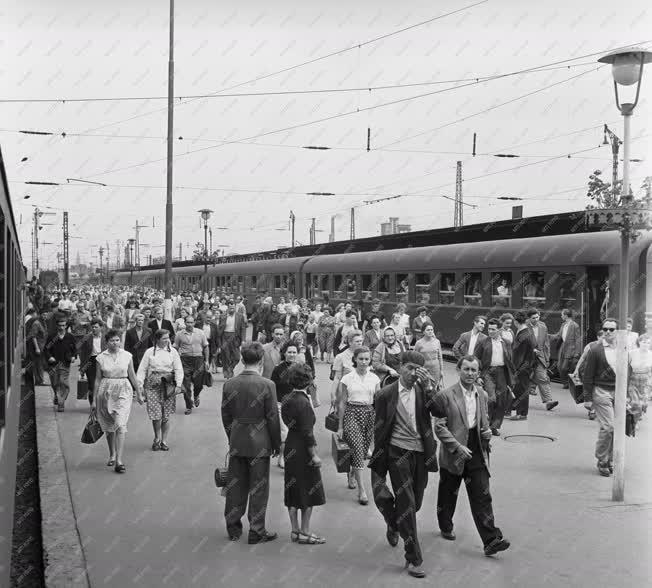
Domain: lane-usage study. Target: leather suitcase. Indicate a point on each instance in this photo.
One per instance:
(82, 389)
(576, 390)
(341, 455)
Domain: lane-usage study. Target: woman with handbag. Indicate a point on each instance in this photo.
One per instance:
(160, 373)
(115, 386)
(303, 484)
(357, 416)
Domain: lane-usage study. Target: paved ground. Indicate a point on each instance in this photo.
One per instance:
(161, 523)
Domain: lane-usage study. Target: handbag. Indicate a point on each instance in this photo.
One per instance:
(332, 421)
(207, 379)
(341, 455)
(92, 431)
(168, 387)
(222, 475)
(82, 388)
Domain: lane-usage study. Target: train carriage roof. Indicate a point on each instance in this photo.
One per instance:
(558, 250)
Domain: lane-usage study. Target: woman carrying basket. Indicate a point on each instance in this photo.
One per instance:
(160, 373)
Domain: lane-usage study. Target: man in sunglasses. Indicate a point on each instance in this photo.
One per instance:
(599, 381)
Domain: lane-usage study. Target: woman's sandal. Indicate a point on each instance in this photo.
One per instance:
(352, 483)
(294, 536)
(156, 445)
(163, 446)
(120, 469)
(310, 539)
(110, 463)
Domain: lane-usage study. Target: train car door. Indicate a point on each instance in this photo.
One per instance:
(596, 300)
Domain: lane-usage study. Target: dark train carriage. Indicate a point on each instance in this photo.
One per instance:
(456, 282)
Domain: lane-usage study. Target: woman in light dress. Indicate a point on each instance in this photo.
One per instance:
(640, 378)
(116, 386)
(160, 362)
(430, 347)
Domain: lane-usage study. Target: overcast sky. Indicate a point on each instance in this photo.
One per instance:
(96, 49)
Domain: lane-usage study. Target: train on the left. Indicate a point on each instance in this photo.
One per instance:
(12, 310)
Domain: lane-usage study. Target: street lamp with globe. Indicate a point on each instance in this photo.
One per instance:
(205, 214)
(629, 217)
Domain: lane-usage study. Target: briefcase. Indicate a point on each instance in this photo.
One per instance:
(341, 455)
(576, 390)
(82, 388)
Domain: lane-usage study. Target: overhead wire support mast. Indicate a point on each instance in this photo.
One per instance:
(459, 218)
(170, 157)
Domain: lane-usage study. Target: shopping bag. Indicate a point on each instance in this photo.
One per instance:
(82, 388)
(341, 455)
(207, 379)
(92, 431)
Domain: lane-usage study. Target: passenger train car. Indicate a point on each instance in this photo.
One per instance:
(455, 282)
(12, 279)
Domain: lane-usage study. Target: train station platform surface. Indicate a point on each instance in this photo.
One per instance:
(161, 523)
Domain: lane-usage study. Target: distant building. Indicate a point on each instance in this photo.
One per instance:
(393, 227)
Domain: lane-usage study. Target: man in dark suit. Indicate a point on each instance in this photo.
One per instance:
(462, 426)
(524, 360)
(160, 323)
(404, 447)
(497, 373)
(138, 340)
(540, 376)
(231, 332)
(251, 421)
(91, 346)
(570, 347)
(466, 343)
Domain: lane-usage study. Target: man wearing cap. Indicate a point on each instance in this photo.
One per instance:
(405, 447)
(462, 426)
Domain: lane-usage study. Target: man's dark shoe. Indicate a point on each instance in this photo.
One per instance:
(392, 536)
(264, 538)
(414, 571)
(551, 405)
(235, 537)
(60, 408)
(450, 535)
(495, 432)
(518, 417)
(188, 411)
(603, 468)
(197, 402)
(498, 544)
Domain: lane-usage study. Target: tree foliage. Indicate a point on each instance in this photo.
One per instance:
(602, 194)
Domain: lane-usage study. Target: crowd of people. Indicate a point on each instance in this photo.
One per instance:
(387, 393)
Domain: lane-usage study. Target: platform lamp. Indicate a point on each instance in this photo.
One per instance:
(131, 259)
(205, 214)
(628, 217)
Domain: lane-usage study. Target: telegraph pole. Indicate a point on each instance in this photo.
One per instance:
(459, 217)
(352, 236)
(100, 252)
(312, 231)
(170, 155)
(66, 258)
(331, 237)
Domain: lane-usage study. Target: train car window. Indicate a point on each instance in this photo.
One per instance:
(291, 285)
(351, 287)
(422, 287)
(473, 289)
(338, 286)
(277, 282)
(313, 287)
(324, 286)
(241, 284)
(402, 287)
(383, 287)
(533, 289)
(254, 283)
(501, 289)
(367, 287)
(568, 290)
(447, 288)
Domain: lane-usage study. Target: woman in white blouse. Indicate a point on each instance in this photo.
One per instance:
(357, 416)
(161, 362)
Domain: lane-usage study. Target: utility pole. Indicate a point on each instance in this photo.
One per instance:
(352, 224)
(180, 251)
(37, 228)
(312, 231)
(292, 219)
(331, 237)
(615, 148)
(108, 257)
(167, 305)
(459, 217)
(100, 251)
(66, 259)
(210, 240)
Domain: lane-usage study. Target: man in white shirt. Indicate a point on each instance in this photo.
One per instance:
(467, 342)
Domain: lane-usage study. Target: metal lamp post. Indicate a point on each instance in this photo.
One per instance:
(627, 70)
(131, 259)
(205, 214)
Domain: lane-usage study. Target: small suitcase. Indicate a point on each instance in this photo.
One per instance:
(82, 388)
(341, 455)
(576, 390)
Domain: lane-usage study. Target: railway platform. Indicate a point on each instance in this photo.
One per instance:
(161, 523)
